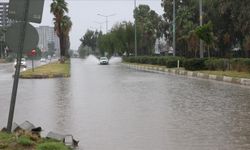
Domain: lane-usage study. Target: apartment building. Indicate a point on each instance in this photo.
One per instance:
(47, 35)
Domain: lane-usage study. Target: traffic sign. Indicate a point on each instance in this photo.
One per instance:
(13, 37)
(17, 11)
(33, 52)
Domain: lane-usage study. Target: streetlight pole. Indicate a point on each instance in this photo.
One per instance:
(100, 24)
(106, 16)
(201, 23)
(174, 42)
(135, 31)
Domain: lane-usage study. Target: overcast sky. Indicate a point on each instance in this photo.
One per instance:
(83, 14)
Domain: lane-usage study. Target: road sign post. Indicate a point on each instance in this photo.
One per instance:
(23, 11)
(33, 53)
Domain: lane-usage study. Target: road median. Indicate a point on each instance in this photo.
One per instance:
(51, 70)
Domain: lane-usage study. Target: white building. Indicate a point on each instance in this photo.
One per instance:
(46, 36)
(161, 46)
(4, 21)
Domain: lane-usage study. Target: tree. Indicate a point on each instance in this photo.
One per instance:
(83, 51)
(230, 21)
(61, 26)
(90, 39)
(66, 25)
(106, 44)
(148, 22)
(186, 21)
(246, 46)
(119, 41)
(205, 33)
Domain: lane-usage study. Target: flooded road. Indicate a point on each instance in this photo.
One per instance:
(111, 107)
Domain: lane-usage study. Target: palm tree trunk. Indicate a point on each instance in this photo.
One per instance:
(61, 46)
(62, 53)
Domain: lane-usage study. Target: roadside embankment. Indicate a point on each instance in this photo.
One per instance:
(198, 74)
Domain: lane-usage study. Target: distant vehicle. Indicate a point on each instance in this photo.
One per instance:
(42, 60)
(49, 57)
(104, 61)
(23, 63)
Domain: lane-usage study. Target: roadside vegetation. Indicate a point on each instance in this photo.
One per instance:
(224, 33)
(236, 67)
(51, 70)
(28, 141)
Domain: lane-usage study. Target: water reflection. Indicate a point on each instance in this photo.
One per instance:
(62, 105)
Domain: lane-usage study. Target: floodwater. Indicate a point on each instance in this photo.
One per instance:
(111, 107)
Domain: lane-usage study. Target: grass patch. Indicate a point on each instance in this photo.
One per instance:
(24, 142)
(51, 146)
(235, 74)
(6, 140)
(51, 70)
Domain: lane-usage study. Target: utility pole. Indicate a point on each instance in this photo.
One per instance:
(135, 30)
(201, 23)
(106, 16)
(174, 42)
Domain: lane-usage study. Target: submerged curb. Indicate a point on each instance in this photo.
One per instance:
(159, 69)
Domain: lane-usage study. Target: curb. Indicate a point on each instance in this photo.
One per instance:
(156, 69)
(44, 76)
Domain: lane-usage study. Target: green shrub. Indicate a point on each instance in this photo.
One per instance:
(142, 60)
(25, 141)
(240, 64)
(51, 146)
(161, 61)
(153, 60)
(172, 62)
(217, 64)
(194, 64)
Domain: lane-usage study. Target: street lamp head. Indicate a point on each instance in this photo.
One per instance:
(106, 15)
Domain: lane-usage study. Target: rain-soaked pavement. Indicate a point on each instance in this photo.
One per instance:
(115, 108)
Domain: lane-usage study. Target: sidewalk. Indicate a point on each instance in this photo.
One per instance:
(162, 69)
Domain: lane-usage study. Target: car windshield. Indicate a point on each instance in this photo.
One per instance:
(103, 58)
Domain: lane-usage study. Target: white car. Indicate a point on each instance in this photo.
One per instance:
(104, 61)
(42, 60)
(23, 63)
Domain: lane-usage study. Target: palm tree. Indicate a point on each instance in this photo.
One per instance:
(58, 8)
(66, 25)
